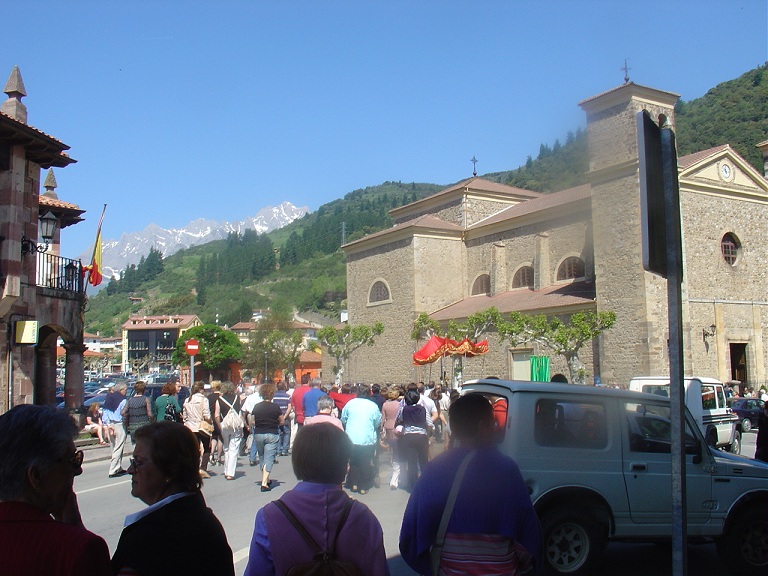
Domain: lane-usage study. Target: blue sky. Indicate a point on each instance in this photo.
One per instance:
(183, 109)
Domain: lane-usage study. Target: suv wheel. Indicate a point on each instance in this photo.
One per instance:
(573, 541)
(735, 448)
(744, 546)
(746, 425)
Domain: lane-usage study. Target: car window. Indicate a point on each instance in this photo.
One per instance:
(708, 401)
(720, 396)
(561, 422)
(649, 428)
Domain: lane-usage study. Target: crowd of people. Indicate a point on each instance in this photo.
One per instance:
(335, 438)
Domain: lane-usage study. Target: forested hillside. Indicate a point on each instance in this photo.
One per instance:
(301, 266)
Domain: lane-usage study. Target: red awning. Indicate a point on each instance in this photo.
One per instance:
(437, 347)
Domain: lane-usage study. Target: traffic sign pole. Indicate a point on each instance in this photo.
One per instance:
(193, 347)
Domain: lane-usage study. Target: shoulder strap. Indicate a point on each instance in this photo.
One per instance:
(304, 534)
(437, 548)
(232, 407)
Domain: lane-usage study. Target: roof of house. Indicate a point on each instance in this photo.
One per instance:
(40, 147)
(159, 322)
(523, 300)
(691, 159)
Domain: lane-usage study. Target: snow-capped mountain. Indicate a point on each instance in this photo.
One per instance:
(118, 254)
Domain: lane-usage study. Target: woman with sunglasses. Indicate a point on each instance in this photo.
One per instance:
(164, 475)
(41, 531)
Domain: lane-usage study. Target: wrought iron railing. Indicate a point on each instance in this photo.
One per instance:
(60, 273)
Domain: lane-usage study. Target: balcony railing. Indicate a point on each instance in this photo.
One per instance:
(60, 273)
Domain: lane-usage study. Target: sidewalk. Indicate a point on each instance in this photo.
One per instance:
(95, 452)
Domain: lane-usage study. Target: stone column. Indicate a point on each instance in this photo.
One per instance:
(73, 379)
(45, 375)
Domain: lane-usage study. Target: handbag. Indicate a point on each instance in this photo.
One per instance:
(205, 427)
(455, 554)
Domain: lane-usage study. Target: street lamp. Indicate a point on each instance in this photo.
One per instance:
(47, 227)
(266, 370)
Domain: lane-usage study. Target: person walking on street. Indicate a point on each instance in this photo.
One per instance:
(137, 410)
(230, 436)
(362, 422)
(297, 400)
(196, 411)
(505, 524)
(283, 400)
(112, 417)
(266, 418)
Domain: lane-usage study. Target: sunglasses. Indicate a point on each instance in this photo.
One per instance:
(76, 461)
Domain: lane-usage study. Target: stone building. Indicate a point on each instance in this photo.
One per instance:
(42, 292)
(480, 244)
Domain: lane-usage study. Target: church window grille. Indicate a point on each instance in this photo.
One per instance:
(570, 268)
(379, 292)
(482, 285)
(729, 246)
(523, 277)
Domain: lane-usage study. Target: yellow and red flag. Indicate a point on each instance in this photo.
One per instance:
(94, 268)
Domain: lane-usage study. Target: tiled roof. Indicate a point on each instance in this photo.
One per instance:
(691, 159)
(48, 152)
(523, 300)
(244, 326)
(474, 183)
(425, 222)
(310, 356)
(159, 322)
(545, 202)
(56, 203)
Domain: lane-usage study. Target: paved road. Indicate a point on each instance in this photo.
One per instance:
(104, 503)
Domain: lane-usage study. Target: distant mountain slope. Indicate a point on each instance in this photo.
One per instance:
(117, 254)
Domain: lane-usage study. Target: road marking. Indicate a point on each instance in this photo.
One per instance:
(102, 487)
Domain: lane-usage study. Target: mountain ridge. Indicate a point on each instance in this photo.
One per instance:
(129, 249)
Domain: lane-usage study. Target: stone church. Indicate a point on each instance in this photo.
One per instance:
(480, 244)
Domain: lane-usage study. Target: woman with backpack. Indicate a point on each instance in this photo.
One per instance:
(227, 417)
(167, 406)
(317, 515)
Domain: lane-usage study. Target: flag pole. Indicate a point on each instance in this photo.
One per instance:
(95, 247)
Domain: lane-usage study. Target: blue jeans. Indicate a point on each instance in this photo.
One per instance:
(284, 441)
(266, 445)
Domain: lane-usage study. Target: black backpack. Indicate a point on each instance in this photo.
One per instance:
(325, 562)
(170, 411)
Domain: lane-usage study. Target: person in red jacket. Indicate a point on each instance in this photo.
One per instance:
(41, 531)
(297, 399)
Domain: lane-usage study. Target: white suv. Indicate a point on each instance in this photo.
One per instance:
(598, 467)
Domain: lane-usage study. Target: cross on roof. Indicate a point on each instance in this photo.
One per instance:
(626, 69)
(474, 166)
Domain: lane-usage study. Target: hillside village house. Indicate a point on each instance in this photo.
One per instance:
(149, 341)
(310, 362)
(42, 292)
(480, 244)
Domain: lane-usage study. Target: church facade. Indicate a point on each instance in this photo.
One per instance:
(480, 244)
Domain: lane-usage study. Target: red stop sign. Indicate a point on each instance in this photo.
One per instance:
(193, 347)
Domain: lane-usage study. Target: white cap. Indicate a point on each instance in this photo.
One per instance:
(764, 397)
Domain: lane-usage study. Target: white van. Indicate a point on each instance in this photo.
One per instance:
(705, 399)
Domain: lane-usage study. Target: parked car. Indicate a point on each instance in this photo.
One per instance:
(597, 463)
(748, 410)
(705, 398)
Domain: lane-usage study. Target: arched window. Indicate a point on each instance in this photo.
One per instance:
(379, 292)
(570, 268)
(482, 285)
(523, 277)
(730, 248)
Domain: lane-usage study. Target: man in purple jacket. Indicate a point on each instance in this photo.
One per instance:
(492, 499)
(320, 457)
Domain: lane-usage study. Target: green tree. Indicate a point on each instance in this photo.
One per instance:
(425, 327)
(341, 342)
(218, 347)
(563, 337)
